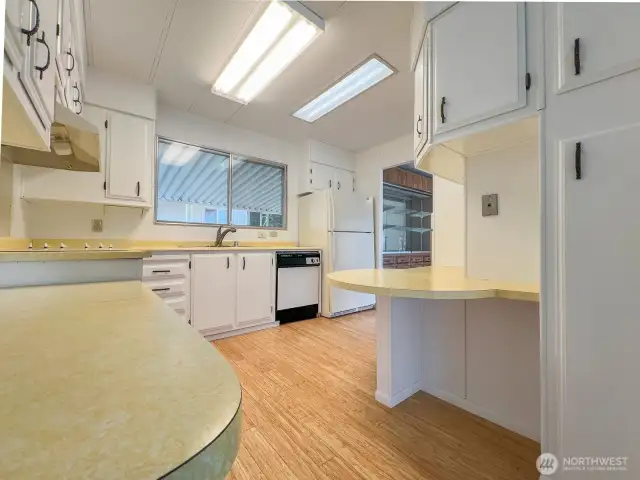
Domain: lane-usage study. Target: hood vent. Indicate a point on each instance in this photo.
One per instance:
(75, 145)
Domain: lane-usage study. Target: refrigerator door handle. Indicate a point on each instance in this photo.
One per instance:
(331, 212)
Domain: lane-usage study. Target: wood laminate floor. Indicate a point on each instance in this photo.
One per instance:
(310, 413)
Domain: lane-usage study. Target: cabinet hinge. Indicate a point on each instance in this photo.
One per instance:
(104, 186)
(106, 124)
(527, 81)
(578, 161)
(57, 30)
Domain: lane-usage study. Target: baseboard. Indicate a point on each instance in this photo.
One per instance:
(397, 398)
(349, 312)
(240, 331)
(478, 410)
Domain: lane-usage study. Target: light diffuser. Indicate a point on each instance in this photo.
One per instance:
(368, 74)
(281, 33)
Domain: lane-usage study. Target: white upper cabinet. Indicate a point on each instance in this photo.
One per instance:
(420, 101)
(256, 292)
(43, 52)
(17, 19)
(129, 160)
(479, 63)
(343, 180)
(321, 176)
(587, 50)
(214, 292)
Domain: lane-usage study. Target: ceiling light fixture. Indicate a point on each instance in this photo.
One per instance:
(369, 73)
(282, 32)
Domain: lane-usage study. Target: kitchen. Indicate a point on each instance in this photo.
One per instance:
(188, 204)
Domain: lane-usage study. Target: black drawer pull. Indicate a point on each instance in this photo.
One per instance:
(576, 56)
(160, 289)
(161, 271)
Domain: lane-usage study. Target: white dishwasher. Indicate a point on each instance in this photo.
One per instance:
(297, 285)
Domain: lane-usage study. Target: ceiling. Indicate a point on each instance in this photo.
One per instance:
(180, 46)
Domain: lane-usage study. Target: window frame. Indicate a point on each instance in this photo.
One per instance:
(285, 193)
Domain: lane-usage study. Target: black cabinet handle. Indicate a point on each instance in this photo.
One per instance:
(31, 32)
(75, 87)
(329, 183)
(228, 263)
(46, 65)
(418, 123)
(244, 262)
(442, 117)
(160, 289)
(576, 56)
(138, 189)
(161, 271)
(73, 65)
(78, 104)
(578, 160)
(338, 185)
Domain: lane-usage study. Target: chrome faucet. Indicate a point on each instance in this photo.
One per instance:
(221, 234)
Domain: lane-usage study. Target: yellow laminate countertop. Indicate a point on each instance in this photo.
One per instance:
(188, 249)
(105, 381)
(443, 283)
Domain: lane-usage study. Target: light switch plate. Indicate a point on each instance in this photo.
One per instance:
(490, 205)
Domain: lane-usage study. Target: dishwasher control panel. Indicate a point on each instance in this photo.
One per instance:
(297, 259)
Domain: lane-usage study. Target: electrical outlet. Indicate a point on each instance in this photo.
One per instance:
(96, 225)
(490, 205)
(262, 234)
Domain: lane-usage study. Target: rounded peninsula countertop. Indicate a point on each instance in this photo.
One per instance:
(102, 381)
(439, 283)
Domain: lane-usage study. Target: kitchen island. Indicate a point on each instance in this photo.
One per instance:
(105, 381)
(471, 342)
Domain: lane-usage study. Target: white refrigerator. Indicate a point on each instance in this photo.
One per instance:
(341, 224)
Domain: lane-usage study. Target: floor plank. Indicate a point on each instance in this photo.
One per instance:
(310, 413)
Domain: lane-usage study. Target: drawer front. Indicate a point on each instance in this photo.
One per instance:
(156, 270)
(403, 259)
(388, 260)
(167, 286)
(415, 259)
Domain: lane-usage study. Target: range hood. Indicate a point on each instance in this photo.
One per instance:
(75, 145)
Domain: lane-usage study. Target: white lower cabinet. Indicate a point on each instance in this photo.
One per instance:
(168, 277)
(256, 289)
(232, 291)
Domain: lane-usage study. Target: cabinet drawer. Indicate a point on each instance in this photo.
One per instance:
(388, 260)
(167, 286)
(178, 303)
(156, 270)
(403, 259)
(416, 259)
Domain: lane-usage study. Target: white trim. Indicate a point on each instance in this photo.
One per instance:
(240, 331)
(401, 396)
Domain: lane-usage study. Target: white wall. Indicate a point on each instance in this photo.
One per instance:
(507, 246)
(52, 220)
(448, 223)
(117, 93)
(369, 166)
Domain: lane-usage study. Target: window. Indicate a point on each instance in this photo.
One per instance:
(201, 186)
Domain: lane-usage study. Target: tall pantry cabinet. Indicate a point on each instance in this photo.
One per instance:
(591, 164)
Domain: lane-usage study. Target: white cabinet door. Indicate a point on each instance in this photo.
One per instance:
(343, 180)
(321, 176)
(129, 157)
(420, 101)
(17, 18)
(596, 41)
(600, 314)
(213, 291)
(256, 290)
(479, 63)
(42, 52)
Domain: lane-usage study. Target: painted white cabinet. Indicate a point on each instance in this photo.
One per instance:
(420, 100)
(256, 289)
(344, 180)
(214, 290)
(587, 52)
(479, 63)
(324, 176)
(129, 158)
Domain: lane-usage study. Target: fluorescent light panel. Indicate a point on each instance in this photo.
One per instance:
(362, 78)
(281, 33)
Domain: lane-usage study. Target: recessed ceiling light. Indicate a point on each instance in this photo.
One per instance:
(362, 78)
(281, 33)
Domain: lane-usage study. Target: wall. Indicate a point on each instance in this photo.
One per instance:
(369, 166)
(112, 91)
(507, 246)
(6, 197)
(448, 223)
(74, 221)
